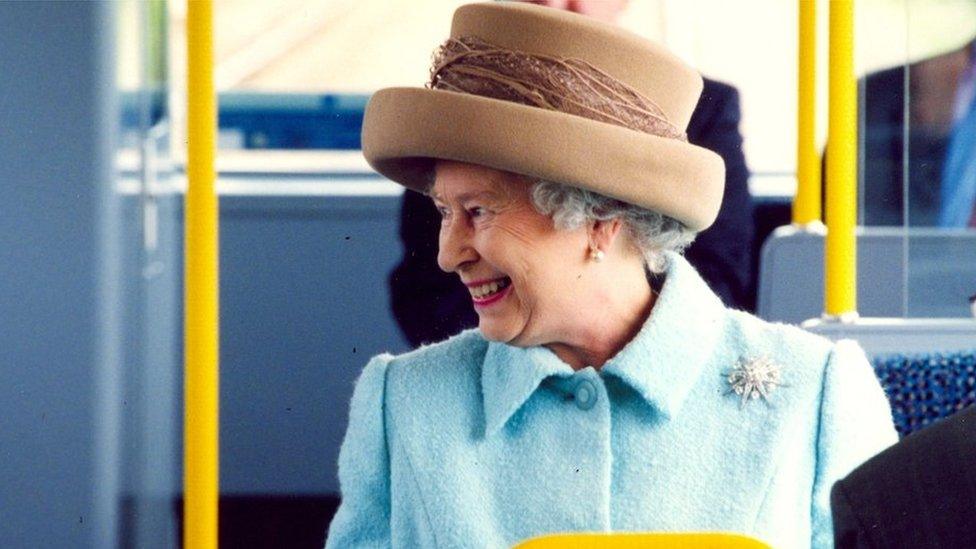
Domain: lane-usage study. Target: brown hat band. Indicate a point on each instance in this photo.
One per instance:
(473, 66)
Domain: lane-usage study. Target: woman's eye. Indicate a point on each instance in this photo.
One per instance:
(477, 211)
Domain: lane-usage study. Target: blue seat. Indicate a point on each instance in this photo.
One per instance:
(927, 367)
(924, 388)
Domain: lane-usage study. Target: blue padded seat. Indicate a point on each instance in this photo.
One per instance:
(924, 388)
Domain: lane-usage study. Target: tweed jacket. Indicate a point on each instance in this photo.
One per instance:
(470, 443)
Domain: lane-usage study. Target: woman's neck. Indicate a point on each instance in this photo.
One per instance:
(621, 313)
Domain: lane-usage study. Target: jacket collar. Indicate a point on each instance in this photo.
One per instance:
(661, 363)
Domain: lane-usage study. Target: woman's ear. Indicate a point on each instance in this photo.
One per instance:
(603, 235)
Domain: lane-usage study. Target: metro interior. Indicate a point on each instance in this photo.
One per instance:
(93, 225)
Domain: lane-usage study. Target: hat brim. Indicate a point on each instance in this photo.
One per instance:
(405, 130)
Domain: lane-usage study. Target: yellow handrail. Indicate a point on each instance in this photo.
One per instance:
(806, 205)
(840, 277)
(201, 417)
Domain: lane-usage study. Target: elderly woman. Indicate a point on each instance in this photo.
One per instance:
(606, 388)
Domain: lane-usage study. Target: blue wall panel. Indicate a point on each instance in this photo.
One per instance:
(55, 146)
(304, 304)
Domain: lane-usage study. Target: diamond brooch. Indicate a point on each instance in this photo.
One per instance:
(753, 378)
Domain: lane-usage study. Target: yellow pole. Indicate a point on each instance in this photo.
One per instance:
(201, 418)
(841, 253)
(806, 206)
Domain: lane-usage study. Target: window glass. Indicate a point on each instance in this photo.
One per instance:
(938, 180)
(307, 59)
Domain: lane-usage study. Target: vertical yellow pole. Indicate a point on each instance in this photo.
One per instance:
(841, 253)
(806, 205)
(201, 326)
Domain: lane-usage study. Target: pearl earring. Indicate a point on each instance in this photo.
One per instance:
(596, 255)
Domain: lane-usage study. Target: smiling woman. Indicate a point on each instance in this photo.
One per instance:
(529, 275)
(606, 387)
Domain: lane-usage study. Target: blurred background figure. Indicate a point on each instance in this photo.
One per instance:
(941, 146)
(431, 305)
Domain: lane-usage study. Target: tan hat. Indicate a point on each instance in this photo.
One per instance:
(556, 96)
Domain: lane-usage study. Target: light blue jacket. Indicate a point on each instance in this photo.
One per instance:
(470, 443)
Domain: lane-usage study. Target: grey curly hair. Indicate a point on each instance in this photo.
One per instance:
(650, 232)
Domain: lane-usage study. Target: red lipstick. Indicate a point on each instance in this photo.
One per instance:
(492, 299)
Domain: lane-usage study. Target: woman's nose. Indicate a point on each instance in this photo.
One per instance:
(455, 248)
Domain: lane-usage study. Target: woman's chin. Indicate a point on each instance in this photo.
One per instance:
(494, 331)
(491, 333)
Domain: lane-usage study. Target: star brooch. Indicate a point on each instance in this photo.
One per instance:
(753, 378)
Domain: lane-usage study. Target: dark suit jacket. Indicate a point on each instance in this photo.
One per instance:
(919, 493)
(431, 305)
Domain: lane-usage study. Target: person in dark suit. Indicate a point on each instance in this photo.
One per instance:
(431, 305)
(941, 124)
(918, 493)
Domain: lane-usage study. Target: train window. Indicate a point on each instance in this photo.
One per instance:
(917, 114)
(918, 149)
(296, 75)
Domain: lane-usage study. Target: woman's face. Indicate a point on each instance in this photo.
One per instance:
(523, 274)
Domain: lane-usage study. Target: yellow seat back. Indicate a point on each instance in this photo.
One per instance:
(643, 541)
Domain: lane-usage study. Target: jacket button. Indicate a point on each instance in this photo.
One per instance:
(585, 394)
